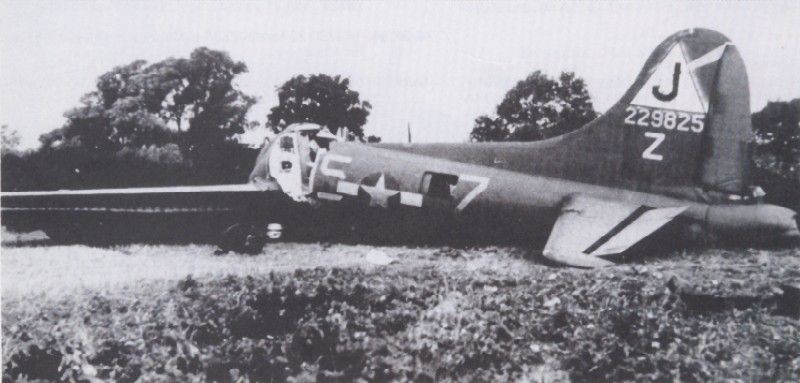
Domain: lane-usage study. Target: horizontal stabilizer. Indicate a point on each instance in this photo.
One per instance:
(589, 227)
(645, 225)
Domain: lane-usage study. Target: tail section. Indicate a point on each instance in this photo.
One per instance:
(684, 124)
(686, 119)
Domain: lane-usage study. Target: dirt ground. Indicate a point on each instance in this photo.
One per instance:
(32, 266)
(512, 278)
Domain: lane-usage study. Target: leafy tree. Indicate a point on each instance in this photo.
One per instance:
(16, 172)
(320, 99)
(173, 121)
(164, 92)
(118, 83)
(777, 129)
(87, 126)
(777, 152)
(133, 126)
(9, 140)
(218, 108)
(489, 129)
(138, 104)
(538, 107)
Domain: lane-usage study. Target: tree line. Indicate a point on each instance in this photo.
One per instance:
(540, 107)
(178, 121)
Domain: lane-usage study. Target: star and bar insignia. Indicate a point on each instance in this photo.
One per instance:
(379, 190)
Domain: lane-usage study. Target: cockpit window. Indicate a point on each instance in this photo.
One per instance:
(287, 143)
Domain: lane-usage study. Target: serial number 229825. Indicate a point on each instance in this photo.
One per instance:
(664, 119)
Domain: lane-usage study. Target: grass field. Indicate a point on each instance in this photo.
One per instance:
(324, 312)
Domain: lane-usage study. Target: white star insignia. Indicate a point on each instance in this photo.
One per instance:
(378, 194)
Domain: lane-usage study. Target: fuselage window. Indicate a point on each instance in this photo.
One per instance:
(438, 185)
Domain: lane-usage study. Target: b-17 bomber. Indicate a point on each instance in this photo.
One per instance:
(669, 160)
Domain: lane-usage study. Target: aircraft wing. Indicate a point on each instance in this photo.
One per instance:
(589, 227)
(164, 189)
(127, 211)
(143, 200)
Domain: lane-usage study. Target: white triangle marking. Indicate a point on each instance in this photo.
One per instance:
(686, 99)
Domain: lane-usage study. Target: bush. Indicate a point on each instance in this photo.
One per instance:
(74, 167)
(390, 324)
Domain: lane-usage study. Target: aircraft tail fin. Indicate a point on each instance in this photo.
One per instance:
(683, 125)
(686, 119)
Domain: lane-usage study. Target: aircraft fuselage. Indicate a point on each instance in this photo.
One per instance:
(363, 176)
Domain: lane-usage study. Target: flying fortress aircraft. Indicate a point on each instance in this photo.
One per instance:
(672, 152)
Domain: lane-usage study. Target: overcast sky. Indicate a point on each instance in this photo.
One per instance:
(434, 65)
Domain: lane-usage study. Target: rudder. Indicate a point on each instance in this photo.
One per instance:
(686, 119)
(683, 126)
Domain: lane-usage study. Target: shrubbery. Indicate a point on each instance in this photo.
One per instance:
(425, 325)
(171, 122)
(75, 168)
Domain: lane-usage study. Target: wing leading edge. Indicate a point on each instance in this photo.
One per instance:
(196, 212)
(588, 228)
(249, 187)
(147, 200)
